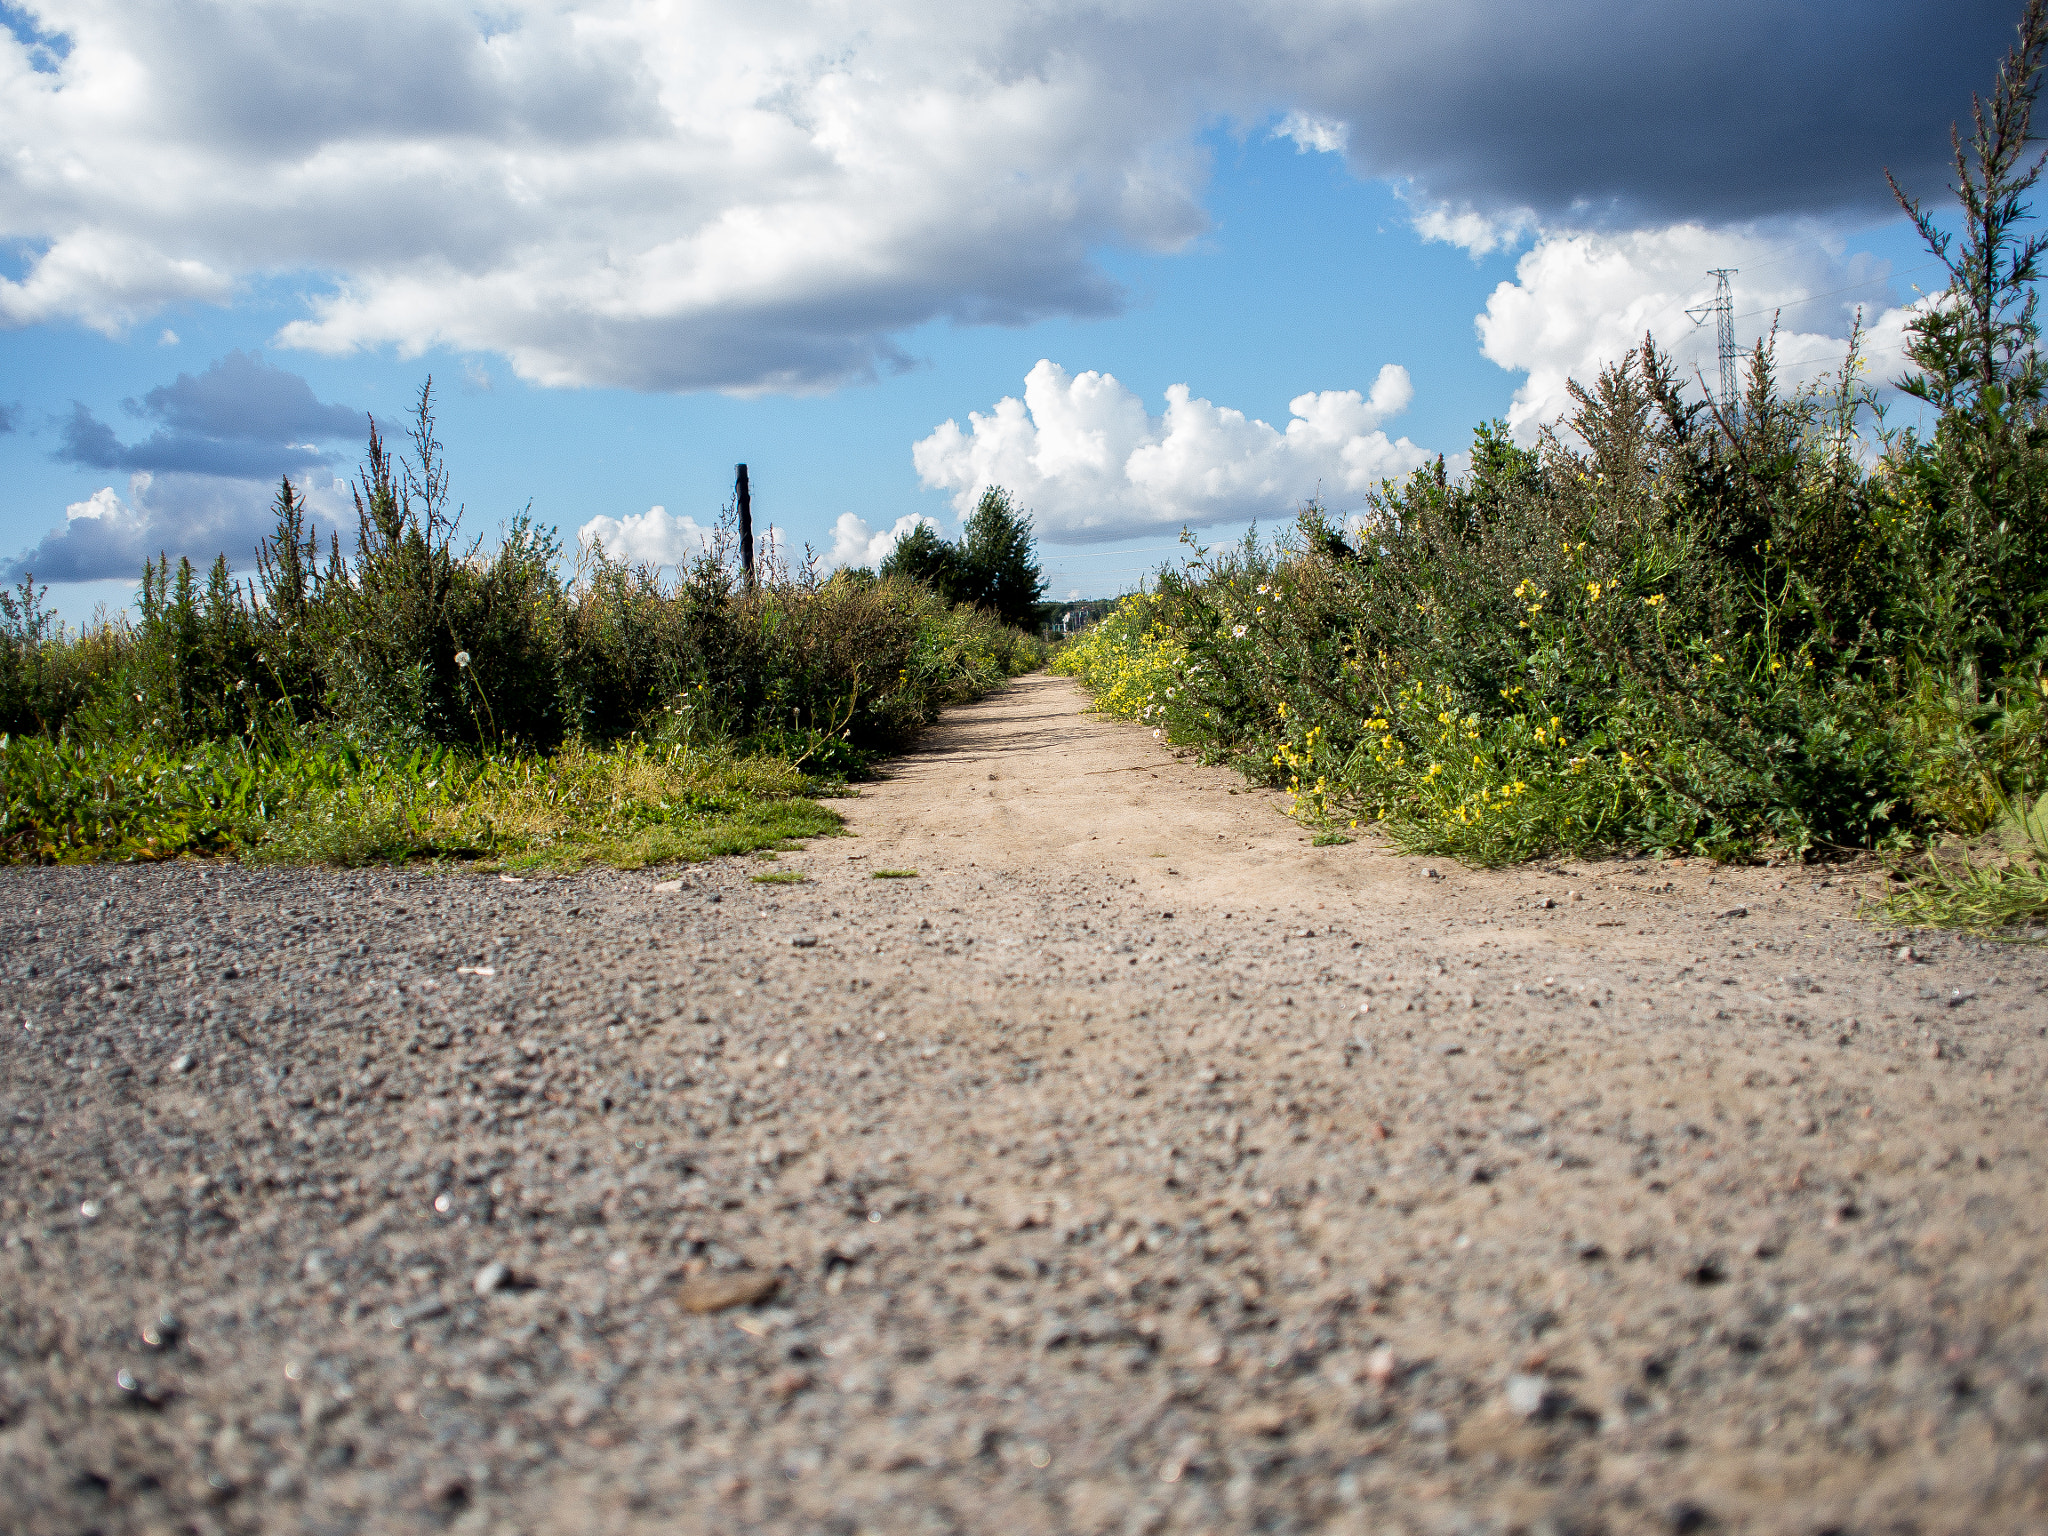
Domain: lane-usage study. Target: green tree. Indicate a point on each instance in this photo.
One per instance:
(1974, 513)
(1000, 557)
(1976, 347)
(924, 555)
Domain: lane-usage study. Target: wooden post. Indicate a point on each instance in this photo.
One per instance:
(746, 508)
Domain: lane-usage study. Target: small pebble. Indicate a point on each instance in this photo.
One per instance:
(424, 1310)
(492, 1278)
(1528, 1396)
(183, 1063)
(715, 1293)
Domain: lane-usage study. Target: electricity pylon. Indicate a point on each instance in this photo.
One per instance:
(1722, 308)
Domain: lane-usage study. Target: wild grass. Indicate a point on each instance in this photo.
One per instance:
(893, 874)
(627, 806)
(426, 697)
(2000, 888)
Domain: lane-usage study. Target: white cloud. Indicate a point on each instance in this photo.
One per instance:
(653, 537)
(1090, 462)
(103, 504)
(1324, 135)
(668, 196)
(181, 515)
(1581, 300)
(1479, 233)
(854, 543)
(101, 279)
(692, 194)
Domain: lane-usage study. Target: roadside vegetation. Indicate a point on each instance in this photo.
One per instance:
(420, 696)
(1772, 626)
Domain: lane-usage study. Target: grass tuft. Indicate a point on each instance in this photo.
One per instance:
(2002, 891)
(782, 877)
(893, 874)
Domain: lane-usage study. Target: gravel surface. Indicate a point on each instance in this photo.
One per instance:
(1138, 1167)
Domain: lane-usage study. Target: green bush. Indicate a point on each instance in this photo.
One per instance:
(1765, 624)
(47, 673)
(1644, 632)
(418, 699)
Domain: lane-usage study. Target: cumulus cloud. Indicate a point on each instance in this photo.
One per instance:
(1320, 134)
(1581, 300)
(854, 543)
(196, 517)
(201, 483)
(654, 537)
(103, 279)
(241, 418)
(697, 195)
(1479, 233)
(1084, 454)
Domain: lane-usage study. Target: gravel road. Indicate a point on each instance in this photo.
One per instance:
(1137, 1167)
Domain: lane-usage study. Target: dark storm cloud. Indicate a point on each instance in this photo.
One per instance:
(241, 418)
(1597, 112)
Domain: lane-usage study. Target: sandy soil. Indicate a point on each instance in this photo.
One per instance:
(1137, 1167)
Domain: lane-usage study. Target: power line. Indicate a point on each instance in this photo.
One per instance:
(1808, 298)
(1098, 554)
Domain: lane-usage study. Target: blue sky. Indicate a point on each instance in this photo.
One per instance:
(1259, 243)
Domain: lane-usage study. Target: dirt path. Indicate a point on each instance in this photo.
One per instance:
(1343, 1198)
